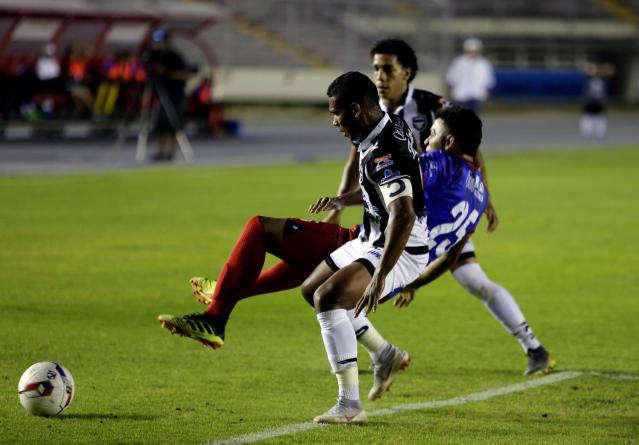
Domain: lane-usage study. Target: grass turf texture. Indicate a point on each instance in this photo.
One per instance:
(89, 260)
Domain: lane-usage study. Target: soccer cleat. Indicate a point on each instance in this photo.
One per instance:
(341, 413)
(384, 373)
(539, 361)
(203, 289)
(197, 326)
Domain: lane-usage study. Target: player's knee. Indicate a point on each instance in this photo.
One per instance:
(477, 287)
(308, 289)
(255, 222)
(326, 296)
(474, 280)
(273, 228)
(266, 222)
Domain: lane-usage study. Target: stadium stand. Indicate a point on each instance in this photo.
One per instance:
(277, 51)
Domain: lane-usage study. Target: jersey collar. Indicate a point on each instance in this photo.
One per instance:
(409, 97)
(372, 136)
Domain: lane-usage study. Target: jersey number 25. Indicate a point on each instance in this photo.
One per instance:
(446, 235)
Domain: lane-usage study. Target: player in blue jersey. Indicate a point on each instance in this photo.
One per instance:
(454, 189)
(394, 67)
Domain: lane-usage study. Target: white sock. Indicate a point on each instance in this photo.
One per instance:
(526, 338)
(498, 301)
(586, 126)
(348, 382)
(600, 126)
(341, 347)
(368, 336)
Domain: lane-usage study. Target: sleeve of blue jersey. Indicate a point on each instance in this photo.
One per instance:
(435, 166)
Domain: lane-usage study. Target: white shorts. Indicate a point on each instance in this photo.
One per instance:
(468, 250)
(406, 270)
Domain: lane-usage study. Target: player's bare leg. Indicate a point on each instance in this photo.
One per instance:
(318, 277)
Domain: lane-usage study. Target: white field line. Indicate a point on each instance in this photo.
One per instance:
(420, 406)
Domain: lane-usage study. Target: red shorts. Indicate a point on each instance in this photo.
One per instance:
(307, 243)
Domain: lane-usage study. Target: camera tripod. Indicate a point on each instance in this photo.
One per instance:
(150, 116)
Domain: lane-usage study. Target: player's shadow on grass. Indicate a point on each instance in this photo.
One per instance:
(108, 416)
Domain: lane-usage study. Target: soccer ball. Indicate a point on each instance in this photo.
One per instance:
(46, 389)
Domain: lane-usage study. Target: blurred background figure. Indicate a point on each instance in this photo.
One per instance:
(167, 76)
(78, 82)
(122, 76)
(48, 72)
(470, 76)
(200, 103)
(47, 65)
(593, 123)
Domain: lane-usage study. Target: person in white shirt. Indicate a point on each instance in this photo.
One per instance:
(47, 65)
(470, 76)
(48, 72)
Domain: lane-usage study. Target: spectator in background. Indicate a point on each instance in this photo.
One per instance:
(470, 76)
(593, 123)
(77, 63)
(47, 65)
(120, 85)
(48, 72)
(200, 103)
(167, 75)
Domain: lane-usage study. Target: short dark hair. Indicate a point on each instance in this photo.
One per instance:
(465, 125)
(404, 53)
(353, 87)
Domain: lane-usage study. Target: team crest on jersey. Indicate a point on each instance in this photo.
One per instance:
(419, 123)
(388, 174)
(383, 162)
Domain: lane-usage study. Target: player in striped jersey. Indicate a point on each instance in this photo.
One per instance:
(391, 249)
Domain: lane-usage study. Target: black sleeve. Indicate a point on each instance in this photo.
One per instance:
(428, 102)
(392, 158)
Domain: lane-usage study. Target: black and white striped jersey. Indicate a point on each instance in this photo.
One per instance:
(419, 111)
(389, 169)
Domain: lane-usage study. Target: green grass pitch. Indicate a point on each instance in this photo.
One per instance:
(87, 261)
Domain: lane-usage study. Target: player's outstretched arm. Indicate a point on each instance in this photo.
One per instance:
(491, 213)
(348, 183)
(327, 203)
(400, 224)
(433, 271)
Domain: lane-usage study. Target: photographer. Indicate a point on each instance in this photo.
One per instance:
(167, 77)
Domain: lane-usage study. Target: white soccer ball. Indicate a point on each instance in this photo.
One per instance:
(46, 389)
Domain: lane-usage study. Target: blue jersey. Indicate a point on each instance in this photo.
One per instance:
(455, 197)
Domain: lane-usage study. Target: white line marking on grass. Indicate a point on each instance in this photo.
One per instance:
(420, 406)
(613, 375)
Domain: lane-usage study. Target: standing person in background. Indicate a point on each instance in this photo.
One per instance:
(470, 76)
(593, 123)
(167, 76)
(49, 74)
(77, 72)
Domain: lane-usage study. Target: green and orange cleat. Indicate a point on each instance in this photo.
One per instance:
(203, 289)
(198, 326)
